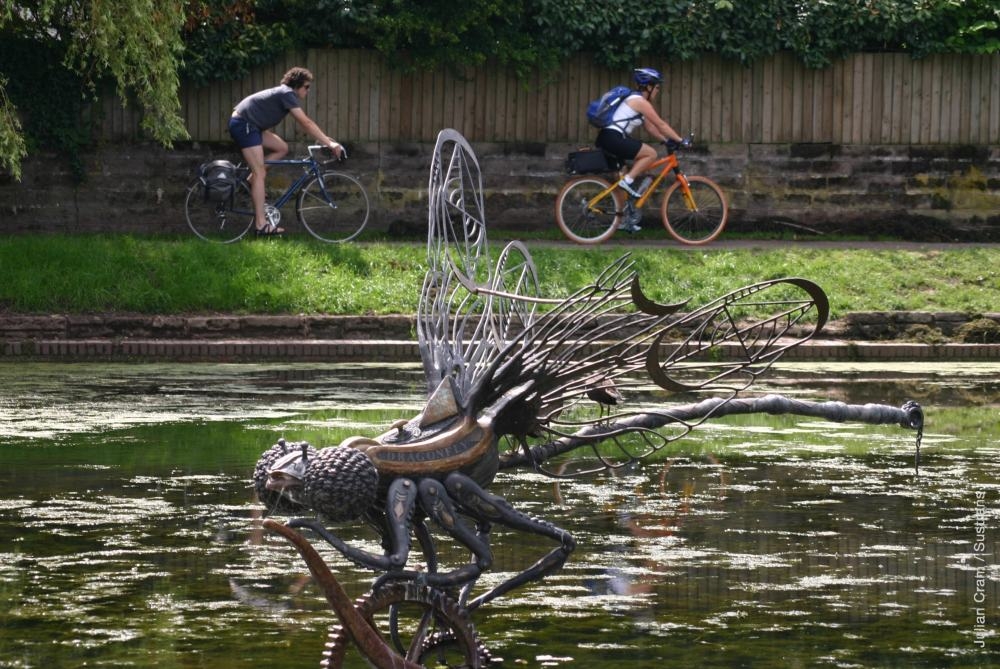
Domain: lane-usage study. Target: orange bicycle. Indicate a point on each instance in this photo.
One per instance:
(590, 208)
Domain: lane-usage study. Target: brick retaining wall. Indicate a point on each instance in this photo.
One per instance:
(855, 326)
(915, 192)
(118, 337)
(236, 350)
(14, 327)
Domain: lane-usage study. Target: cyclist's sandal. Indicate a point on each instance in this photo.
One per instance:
(269, 230)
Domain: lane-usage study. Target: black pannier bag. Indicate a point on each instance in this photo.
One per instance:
(590, 161)
(218, 179)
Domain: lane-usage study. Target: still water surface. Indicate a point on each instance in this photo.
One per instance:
(127, 535)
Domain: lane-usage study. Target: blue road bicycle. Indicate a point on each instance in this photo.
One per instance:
(331, 206)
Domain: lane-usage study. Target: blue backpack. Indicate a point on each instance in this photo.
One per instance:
(602, 110)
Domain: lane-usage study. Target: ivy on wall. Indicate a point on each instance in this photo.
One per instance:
(533, 35)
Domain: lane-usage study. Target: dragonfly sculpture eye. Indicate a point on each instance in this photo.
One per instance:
(507, 372)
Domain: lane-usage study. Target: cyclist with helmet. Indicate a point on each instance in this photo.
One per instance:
(637, 109)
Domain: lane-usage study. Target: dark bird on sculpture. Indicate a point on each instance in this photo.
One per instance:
(605, 393)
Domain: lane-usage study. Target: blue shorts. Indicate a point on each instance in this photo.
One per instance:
(245, 134)
(618, 144)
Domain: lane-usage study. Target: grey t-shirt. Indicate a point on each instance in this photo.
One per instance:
(265, 109)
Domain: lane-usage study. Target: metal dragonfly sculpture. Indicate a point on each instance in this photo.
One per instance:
(510, 378)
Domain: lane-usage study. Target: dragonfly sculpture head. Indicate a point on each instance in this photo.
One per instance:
(339, 482)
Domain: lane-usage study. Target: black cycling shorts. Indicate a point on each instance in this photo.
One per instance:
(618, 144)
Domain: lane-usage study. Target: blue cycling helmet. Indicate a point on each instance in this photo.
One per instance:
(647, 76)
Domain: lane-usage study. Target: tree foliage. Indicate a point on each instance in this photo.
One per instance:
(143, 46)
(442, 32)
(225, 39)
(619, 33)
(54, 54)
(12, 149)
(48, 96)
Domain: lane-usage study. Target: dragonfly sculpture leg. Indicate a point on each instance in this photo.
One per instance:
(400, 503)
(440, 508)
(495, 510)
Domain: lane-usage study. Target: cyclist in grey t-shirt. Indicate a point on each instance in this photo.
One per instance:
(267, 108)
(250, 126)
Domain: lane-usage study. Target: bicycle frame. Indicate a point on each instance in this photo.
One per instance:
(693, 208)
(312, 171)
(668, 163)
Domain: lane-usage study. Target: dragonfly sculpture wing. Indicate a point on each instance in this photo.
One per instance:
(584, 352)
(539, 373)
(469, 309)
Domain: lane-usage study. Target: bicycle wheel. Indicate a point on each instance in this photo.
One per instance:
(700, 224)
(586, 224)
(222, 221)
(334, 210)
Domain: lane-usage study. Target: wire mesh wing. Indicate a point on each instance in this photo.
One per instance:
(564, 378)
(540, 375)
(468, 309)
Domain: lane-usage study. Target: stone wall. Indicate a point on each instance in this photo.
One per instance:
(928, 193)
(854, 326)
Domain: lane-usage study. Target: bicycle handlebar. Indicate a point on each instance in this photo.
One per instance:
(672, 144)
(320, 147)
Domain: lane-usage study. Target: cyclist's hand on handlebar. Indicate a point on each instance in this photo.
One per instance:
(338, 150)
(673, 144)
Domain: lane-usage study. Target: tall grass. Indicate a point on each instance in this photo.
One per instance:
(81, 274)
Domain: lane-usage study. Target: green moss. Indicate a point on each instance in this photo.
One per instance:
(979, 331)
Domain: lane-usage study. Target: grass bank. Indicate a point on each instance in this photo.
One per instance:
(88, 274)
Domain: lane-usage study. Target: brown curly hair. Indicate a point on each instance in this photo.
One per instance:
(297, 77)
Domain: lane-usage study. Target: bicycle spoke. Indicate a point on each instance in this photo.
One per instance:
(221, 221)
(697, 219)
(583, 220)
(334, 208)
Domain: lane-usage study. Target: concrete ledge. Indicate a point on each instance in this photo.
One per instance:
(383, 350)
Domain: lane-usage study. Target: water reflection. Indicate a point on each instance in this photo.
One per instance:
(126, 535)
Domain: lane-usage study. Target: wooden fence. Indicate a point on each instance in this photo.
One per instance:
(864, 99)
